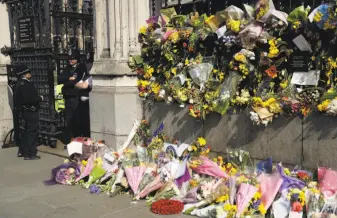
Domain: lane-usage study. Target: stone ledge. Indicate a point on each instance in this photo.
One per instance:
(114, 90)
(111, 67)
(114, 81)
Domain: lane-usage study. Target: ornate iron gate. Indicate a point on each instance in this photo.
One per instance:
(42, 33)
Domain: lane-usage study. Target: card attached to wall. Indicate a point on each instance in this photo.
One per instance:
(310, 78)
(299, 61)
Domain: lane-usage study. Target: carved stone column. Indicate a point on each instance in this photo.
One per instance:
(118, 53)
(133, 27)
(100, 23)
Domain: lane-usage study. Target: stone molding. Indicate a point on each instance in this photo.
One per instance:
(116, 27)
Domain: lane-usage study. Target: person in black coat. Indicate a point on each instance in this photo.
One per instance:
(27, 101)
(76, 98)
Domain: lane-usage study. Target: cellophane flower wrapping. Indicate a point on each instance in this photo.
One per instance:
(244, 195)
(327, 181)
(203, 212)
(152, 186)
(134, 176)
(88, 168)
(191, 196)
(64, 174)
(269, 186)
(289, 182)
(200, 73)
(228, 90)
(168, 191)
(206, 166)
(232, 189)
(149, 175)
(96, 173)
(184, 178)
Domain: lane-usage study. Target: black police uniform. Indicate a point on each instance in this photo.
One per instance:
(27, 101)
(76, 111)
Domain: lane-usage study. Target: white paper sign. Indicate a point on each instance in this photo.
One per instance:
(74, 148)
(310, 78)
(302, 43)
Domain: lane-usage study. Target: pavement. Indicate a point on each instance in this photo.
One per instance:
(23, 194)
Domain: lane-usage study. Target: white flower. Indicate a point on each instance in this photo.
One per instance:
(162, 93)
(191, 101)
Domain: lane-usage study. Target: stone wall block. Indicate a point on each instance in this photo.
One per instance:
(102, 110)
(280, 140)
(320, 141)
(178, 123)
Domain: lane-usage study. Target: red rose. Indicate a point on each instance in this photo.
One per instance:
(297, 207)
(185, 44)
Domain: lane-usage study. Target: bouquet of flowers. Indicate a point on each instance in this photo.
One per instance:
(65, 174)
(228, 90)
(168, 191)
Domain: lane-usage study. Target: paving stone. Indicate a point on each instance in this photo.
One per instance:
(27, 208)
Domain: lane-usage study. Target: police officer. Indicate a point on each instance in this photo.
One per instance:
(27, 101)
(76, 98)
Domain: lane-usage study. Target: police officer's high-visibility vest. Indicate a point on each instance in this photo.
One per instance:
(59, 100)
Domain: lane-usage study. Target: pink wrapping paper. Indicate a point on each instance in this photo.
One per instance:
(269, 185)
(153, 186)
(210, 168)
(134, 176)
(88, 168)
(327, 179)
(245, 194)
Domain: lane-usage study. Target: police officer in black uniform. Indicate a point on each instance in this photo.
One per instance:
(27, 101)
(76, 109)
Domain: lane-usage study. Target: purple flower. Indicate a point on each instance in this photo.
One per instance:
(94, 189)
(295, 197)
(256, 204)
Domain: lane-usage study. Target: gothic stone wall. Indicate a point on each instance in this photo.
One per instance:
(285, 139)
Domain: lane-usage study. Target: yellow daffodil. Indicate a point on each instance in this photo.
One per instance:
(155, 88)
(174, 70)
(143, 30)
(222, 199)
(234, 25)
(318, 17)
(287, 171)
(84, 162)
(284, 84)
(201, 141)
(262, 209)
(174, 37)
(324, 105)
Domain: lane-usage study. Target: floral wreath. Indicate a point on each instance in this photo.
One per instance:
(167, 207)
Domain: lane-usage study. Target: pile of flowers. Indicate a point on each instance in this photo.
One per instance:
(227, 61)
(176, 178)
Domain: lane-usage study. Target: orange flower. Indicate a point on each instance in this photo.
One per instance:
(272, 72)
